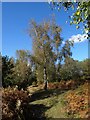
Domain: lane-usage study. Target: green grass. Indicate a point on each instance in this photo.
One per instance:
(58, 109)
(54, 102)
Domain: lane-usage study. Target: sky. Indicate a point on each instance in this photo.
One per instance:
(16, 17)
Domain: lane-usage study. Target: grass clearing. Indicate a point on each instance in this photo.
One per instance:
(55, 102)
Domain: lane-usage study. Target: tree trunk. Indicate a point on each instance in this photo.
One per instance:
(88, 23)
(45, 79)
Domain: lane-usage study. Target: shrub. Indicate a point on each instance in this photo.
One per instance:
(13, 103)
(64, 85)
(77, 102)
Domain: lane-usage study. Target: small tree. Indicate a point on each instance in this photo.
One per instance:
(23, 69)
(71, 69)
(7, 71)
(85, 65)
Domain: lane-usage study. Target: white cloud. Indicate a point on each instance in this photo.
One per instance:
(49, 1)
(78, 38)
(63, 42)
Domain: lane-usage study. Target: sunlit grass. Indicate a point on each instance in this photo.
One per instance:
(56, 102)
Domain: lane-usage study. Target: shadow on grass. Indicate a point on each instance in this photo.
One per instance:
(42, 94)
(35, 112)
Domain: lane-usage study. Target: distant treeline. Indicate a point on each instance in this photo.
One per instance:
(24, 72)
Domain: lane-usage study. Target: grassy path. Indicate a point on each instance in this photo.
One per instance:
(52, 103)
(49, 104)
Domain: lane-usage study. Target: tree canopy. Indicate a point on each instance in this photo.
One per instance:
(48, 48)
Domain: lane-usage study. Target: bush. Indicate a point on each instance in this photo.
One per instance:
(77, 102)
(63, 85)
(14, 103)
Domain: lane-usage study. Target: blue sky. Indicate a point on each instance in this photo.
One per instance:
(16, 17)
